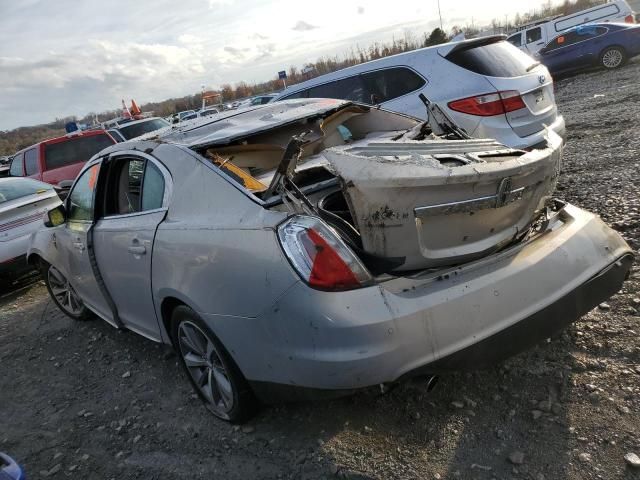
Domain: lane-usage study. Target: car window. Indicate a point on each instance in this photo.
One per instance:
(138, 129)
(515, 39)
(13, 188)
(350, 88)
(134, 185)
(17, 169)
(81, 198)
(31, 162)
(152, 188)
(384, 85)
(116, 135)
(74, 149)
(499, 59)
(534, 35)
(564, 40)
(300, 94)
(590, 31)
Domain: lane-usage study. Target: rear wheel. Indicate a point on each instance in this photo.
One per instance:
(613, 57)
(63, 294)
(212, 372)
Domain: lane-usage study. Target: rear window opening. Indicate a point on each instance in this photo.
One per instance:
(500, 59)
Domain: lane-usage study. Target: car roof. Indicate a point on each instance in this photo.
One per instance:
(232, 125)
(388, 62)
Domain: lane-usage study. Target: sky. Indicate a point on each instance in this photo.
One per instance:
(61, 58)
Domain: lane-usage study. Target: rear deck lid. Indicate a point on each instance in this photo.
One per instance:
(443, 202)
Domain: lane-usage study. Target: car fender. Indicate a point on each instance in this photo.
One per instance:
(43, 244)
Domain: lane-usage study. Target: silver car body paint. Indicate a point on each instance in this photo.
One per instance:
(20, 217)
(216, 250)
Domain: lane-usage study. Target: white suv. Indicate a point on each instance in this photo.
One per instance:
(486, 86)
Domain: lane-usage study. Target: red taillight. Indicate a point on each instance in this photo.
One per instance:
(328, 270)
(489, 104)
(320, 256)
(629, 19)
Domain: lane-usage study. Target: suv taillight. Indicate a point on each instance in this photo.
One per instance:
(320, 256)
(629, 19)
(489, 104)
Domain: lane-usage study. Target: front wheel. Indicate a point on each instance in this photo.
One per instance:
(613, 57)
(212, 372)
(63, 294)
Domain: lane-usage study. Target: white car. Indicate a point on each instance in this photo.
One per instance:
(137, 128)
(23, 202)
(486, 86)
(532, 37)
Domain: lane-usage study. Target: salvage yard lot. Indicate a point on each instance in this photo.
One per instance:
(82, 400)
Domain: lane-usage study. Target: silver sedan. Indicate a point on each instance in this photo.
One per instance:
(305, 249)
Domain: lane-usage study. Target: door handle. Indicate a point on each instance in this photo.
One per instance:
(78, 246)
(137, 249)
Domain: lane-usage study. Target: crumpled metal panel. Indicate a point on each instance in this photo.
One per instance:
(443, 202)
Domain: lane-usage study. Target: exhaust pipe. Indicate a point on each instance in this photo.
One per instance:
(387, 387)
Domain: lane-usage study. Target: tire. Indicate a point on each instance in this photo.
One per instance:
(212, 372)
(613, 57)
(63, 294)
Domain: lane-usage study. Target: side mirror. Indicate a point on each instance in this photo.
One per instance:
(56, 216)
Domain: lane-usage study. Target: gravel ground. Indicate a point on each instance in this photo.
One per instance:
(82, 400)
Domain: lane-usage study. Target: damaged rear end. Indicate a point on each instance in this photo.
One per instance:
(424, 252)
(399, 196)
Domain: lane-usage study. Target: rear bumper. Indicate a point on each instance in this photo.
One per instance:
(505, 134)
(524, 334)
(314, 344)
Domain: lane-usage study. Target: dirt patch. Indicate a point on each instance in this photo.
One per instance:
(82, 400)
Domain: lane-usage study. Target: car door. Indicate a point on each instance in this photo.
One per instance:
(134, 204)
(562, 53)
(73, 239)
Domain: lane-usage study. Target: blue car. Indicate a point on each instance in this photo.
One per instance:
(608, 45)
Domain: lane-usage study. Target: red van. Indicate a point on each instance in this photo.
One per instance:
(57, 161)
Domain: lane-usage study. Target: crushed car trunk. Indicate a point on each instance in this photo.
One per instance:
(441, 202)
(401, 196)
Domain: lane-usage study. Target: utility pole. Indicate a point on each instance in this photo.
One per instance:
(440, 15)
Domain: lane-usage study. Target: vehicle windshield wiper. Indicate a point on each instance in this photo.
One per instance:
(532, 66)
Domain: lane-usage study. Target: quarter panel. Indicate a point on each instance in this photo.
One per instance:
(217, 249)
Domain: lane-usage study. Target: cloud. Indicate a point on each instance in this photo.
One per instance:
(219, 3)
(303, 26)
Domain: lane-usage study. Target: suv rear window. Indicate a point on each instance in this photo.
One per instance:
(500, 59)
(79, 149)
(12, 188)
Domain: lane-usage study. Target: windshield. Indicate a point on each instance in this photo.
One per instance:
(13, 188)
(133, 131)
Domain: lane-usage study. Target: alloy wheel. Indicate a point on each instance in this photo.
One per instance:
(612, 58)
(63, 292)
(206, 368)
